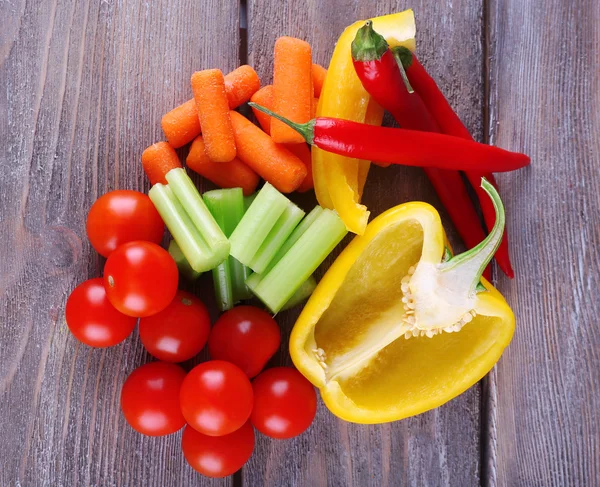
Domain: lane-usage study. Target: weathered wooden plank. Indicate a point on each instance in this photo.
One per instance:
(84, 85)
(440, 447)
(545, 87)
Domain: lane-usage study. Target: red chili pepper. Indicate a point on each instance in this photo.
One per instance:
(450, 124)
(401, 146)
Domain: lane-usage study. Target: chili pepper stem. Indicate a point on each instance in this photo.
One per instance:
(368, 45)
(307, 130)
(441, 297)
(403, 58)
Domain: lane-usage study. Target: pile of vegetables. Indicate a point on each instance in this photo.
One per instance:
(388, 310)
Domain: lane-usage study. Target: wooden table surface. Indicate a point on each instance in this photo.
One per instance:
(83, 87)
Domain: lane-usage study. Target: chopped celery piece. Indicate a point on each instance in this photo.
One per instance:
(181, 227)
(185, 269)
(227, 207)
(277, 236)
(248, 200)
(194, 229)
(256, 224)
(301, 294)
(300, 261)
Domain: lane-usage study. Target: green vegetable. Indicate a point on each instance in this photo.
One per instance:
(194, 229)
(185, 269)
(311, 244)
(227, 207)
(303, 293)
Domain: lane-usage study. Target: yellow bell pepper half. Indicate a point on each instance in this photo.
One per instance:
(337, 179)
(397, 326)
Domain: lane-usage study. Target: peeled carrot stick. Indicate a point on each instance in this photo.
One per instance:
(181, 125)
(264, 97)
(232, 174)
(158, 160)
(313, 108)
(240, 84)
(302, 152)
(292, 87)
(318, 77)
(213, 111)
(273, 162)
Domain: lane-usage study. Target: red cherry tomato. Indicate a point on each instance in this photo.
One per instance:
(179, 331)
(285, 403)
(122, 216)
(92, 319)
(216, 398)
(245, 336)
(218, 456)
(140, 278)
(150, 399)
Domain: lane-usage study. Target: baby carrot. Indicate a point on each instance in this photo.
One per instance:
(213, 112)
(158, 160)
(292, 87)
(302, 152)
(273, 162)
(318, 77)
(240, 84)
(181, 125)
(232, 174)
(264, 97)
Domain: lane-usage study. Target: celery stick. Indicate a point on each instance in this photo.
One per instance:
(227, 207)
(248, 200)
(301, 294)
(215, 241)
(256, 224)
(184, 232)
(185, 269)
(277, 236)
(296, 266)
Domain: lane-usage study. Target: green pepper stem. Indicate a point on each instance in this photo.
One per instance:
(403, 58)
(306, 130)
(469, 265)
(368, 45)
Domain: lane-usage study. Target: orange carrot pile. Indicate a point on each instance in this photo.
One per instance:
(273, 162)
(213, 111)
(232, 174)
(264, 97)
(181, 125)
(318, 78)
(292, 86)
(158, 160)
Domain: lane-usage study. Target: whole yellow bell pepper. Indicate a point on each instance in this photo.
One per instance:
(339, 180)
(398, 326)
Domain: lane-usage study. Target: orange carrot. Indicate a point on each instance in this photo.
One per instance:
(158, 160)
(240, 84)
(318, 77)
(263, 97)
(313, 108)
(302, 152)
(292, 87)
(181, 125)
(213, 111)
(232, 174)
(273, 162)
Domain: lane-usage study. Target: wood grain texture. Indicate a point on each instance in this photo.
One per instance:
(544, 99)
(84, 85)
(441, 447)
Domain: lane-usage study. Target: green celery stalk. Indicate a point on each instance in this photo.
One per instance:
(227, 207)
(253, 229)
(185, 269)
(278, 235)
(182, 229)
(300, 261)
(248, 200)
(301, 294)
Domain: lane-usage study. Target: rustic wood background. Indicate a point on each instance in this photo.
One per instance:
(83, 87)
